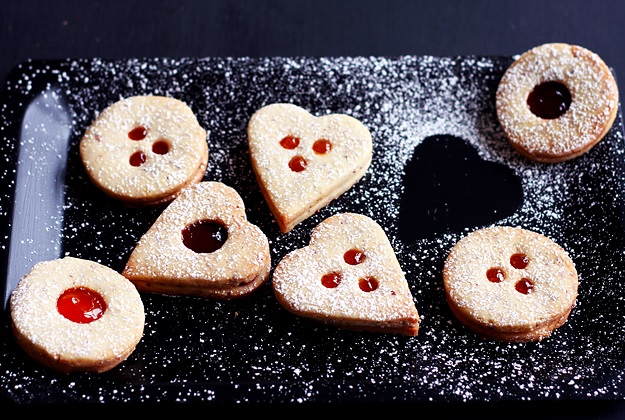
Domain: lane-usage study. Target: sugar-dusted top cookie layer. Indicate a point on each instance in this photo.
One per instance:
(303, 162)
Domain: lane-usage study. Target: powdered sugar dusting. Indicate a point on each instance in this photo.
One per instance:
(253, 350)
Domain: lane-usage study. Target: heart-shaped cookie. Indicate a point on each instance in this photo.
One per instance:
(347, 276)
(202, 245)
(303, 162)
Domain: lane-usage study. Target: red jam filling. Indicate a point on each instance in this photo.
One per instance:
(322, 146)
(81, 305)
(289, 142)
(298, 164)
(354, 257)
(138, 133)
(204, 236)
(331, 280)
(368, 284)
(495, 275)
(549, 100)
(519, 261)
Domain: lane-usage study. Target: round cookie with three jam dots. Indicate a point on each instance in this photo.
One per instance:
(143, 150)
(75, 315)
(510, 284)
(556, 101)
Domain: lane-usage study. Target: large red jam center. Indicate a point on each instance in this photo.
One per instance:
(204, 236)
(81, 305)
(549, 100)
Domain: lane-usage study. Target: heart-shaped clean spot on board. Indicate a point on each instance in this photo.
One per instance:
(449, 187)
(303, 162)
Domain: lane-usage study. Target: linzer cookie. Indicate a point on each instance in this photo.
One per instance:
(556, 101)
(144, 150)
(201, 245)
(348, 276)
(510, 284)
(75, 315)
(303, 162)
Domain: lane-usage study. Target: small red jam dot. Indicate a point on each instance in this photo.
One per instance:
(289, 142)
(322, 146)
(137, 158)
(519, 261)
(81, 305)
(298, 164)
(524, 286)
(331, 280)
(495, 275)
(138, 133)
(204, 236)
(354, 257)
(368, 284)
(549, 100)
(160, 147)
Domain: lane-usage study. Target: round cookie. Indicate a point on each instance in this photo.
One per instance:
(144, 150)
(74, 315)
(556, 101)
(510, 284)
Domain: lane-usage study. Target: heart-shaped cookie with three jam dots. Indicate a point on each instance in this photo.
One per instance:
(303, 162)
(201, 245)
(348, 276)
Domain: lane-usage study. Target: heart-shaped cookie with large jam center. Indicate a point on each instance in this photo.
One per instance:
(347, 276)
(201, 245)
(303, 162)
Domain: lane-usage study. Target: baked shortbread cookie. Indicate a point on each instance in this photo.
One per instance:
(143, 150)
(556, 101)
(201, 245)
(303, 162)
(75, 315)
(510, 284)
(348, 276)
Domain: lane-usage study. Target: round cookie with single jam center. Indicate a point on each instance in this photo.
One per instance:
(144, 150)
(510, 284)
(556, 101)
(75, 315)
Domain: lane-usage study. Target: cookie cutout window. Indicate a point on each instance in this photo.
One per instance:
(368, 284)
(137, 158)
(519, 261)
(322, 146)
(354, 257)
(524, 286)
(495, 275)
(138, 133)
(298, 164)
(204, 236)
(289, 142)
(160, 147)
(81, 305)
(549, 100)
(331, 280)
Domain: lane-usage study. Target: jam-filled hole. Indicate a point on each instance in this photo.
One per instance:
(289, 142)
(138, 158)
(331, 280)
(519, 260)
(524, 286)
(160, 147)
(204, 236)
(368, 284)
(495, 275)
(81, 305)
(354, 257)
(322, 146)
(298, 163)
(549, 100)
(138, 133)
